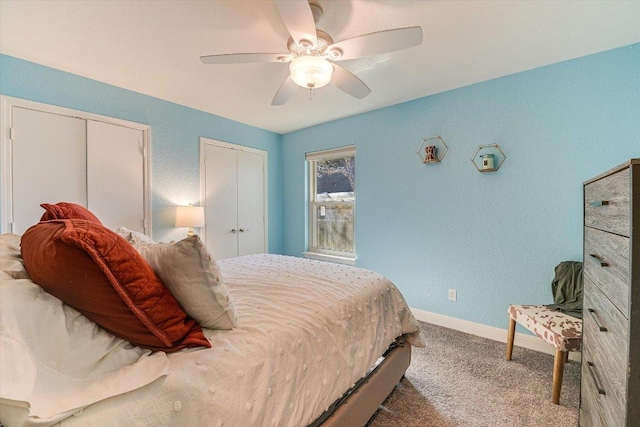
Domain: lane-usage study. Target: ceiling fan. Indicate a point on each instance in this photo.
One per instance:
(313, 54)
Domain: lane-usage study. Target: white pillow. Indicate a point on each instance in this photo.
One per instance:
(133, 237)
(55, 361)
(11, 264)
(192, 276)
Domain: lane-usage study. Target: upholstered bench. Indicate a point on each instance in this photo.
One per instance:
(562, 331)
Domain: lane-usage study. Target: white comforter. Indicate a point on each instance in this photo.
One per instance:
(307, 331)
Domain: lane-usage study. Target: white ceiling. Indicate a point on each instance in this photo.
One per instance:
(153, 47)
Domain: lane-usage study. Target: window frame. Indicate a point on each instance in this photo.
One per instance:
(313, 251)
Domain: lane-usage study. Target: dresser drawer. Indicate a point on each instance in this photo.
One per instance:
(593, 409)
(599, 409)
(606, 203)
(606, 262)
(605, 331)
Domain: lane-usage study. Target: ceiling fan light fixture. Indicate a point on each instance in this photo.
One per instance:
(311, 72)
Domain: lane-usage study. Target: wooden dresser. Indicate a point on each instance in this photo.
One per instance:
(610, 392)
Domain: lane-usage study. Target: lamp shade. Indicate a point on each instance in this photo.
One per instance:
(310, 71)
(190, 216)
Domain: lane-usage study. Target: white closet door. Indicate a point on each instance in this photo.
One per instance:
(48, 162)
(251, 239)
(221, 201)
(115, 175)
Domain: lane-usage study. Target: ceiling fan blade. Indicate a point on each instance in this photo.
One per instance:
(378, 43)
(285, 92)
(298, 18)
(243, 58)
(347, 82)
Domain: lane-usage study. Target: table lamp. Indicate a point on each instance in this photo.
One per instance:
(190, 216)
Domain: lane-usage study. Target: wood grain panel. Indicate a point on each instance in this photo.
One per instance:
(591, 408)
(613, 279)
(614, 216)
(590, 412)
(610, 346)
(605, 409)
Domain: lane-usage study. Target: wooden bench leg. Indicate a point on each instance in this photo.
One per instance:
(510, 336)
(558, 371)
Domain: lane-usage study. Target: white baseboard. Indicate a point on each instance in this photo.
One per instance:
(530, 342)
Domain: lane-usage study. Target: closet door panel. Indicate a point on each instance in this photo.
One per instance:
(221, 201)
(115, 175)
(48, 162)
(250, 203)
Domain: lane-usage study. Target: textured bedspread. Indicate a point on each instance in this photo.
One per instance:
(307, 331)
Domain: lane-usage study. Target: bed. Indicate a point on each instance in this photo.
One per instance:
(306, 350)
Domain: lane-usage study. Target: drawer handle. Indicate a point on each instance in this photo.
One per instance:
(599, 260)
(595, 381)
(592, 312)
(597, 203)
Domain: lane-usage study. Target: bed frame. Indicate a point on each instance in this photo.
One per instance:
(362, 401)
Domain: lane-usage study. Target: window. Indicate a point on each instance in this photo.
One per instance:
(332, 199)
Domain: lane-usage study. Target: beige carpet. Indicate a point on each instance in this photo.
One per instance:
(463, 380)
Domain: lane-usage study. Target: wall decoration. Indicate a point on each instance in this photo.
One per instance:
(488, 158)
(432, 150)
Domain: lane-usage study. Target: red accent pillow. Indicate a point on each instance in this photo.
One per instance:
(101, 275)
(66, 210)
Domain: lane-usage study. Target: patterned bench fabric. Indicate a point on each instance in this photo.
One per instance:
(562, 331)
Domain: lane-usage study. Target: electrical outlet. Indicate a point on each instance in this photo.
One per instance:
(453, 295)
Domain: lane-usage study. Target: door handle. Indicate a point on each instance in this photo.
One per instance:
(242, 230)
(233, 231)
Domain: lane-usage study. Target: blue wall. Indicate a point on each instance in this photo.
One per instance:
(175, 133)
(495, 237)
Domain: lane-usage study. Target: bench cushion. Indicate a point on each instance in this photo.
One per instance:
(562, 331)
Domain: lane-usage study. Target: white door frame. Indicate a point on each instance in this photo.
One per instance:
(204, 141)
(6, 185)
